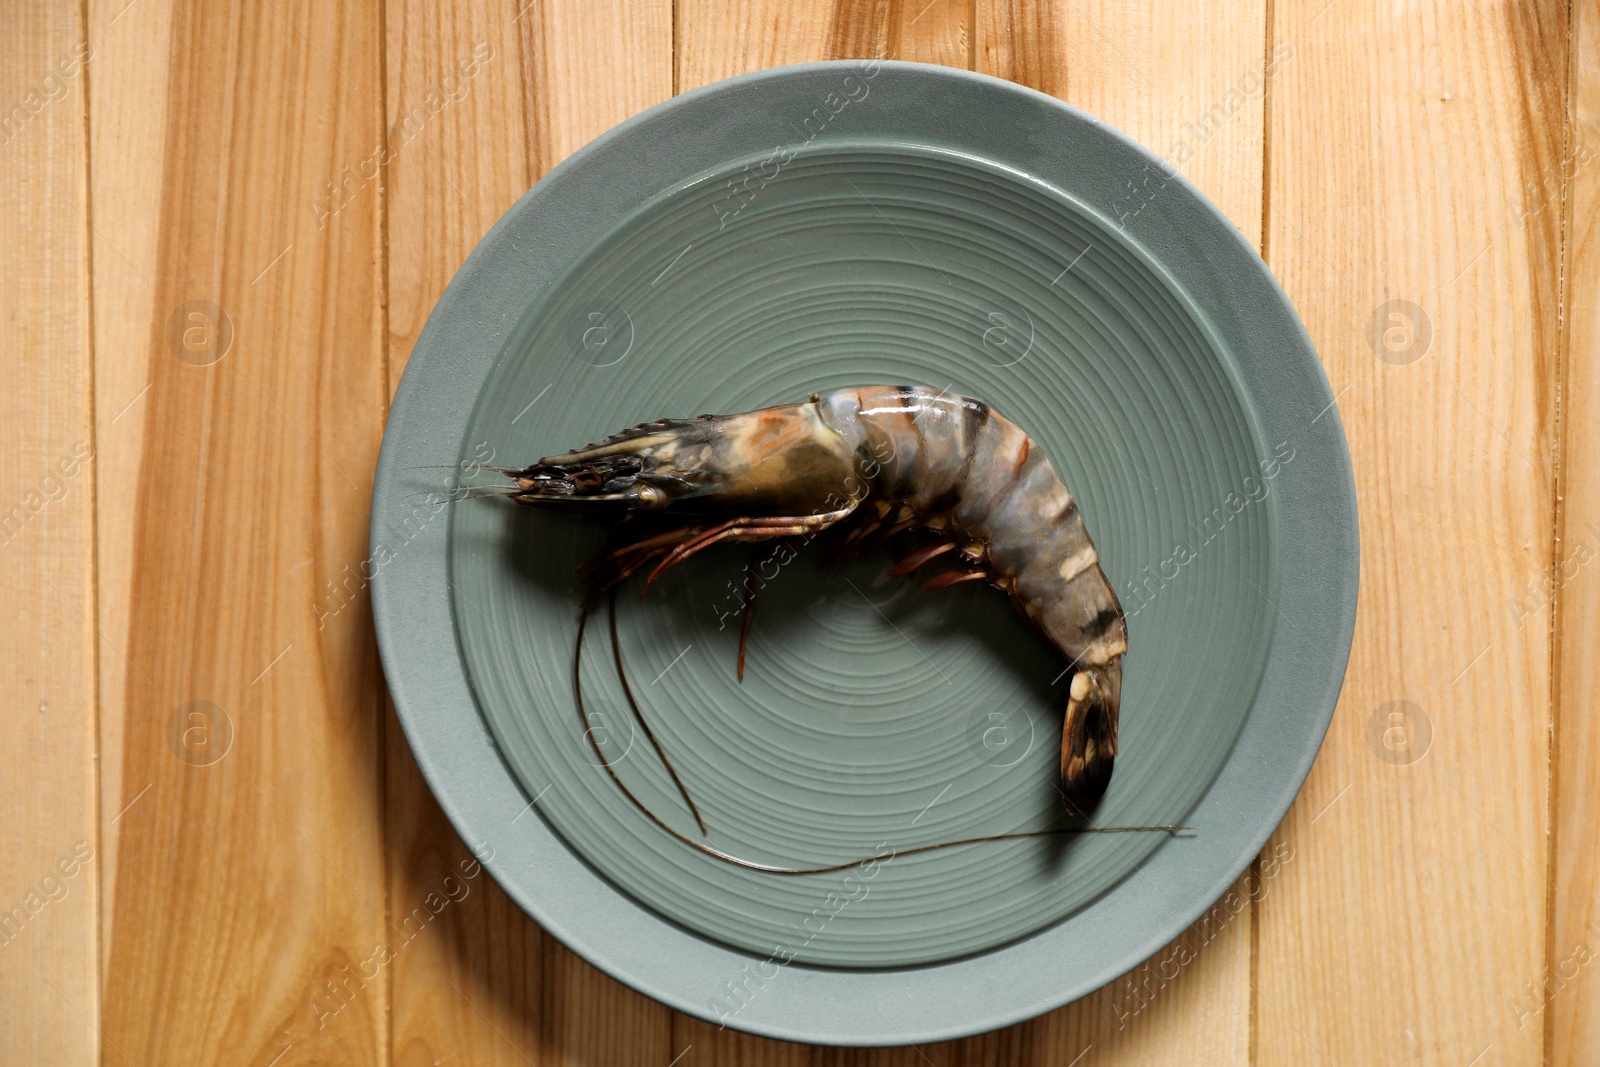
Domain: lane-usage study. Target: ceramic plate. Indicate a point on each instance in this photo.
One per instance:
(801, 230)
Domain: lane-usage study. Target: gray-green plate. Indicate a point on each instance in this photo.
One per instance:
(800, 230)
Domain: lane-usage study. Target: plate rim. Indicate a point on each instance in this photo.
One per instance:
(561, 891)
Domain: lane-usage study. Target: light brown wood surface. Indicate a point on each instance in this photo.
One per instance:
(1571, 996)
(48, 921)
(194, 720)
(1417, 906)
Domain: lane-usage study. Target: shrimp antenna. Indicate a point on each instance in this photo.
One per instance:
(765, 868)
(450, 493)
(511, 490)
(627, 691)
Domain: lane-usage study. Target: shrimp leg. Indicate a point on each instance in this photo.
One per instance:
(955, 577)
(756, 561)
(908, 565)
(748, 529)
(617, 565)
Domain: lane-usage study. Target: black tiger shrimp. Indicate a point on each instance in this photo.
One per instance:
(888, 460)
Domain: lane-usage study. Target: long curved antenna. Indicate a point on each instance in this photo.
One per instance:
(765, 868)
(627, 691)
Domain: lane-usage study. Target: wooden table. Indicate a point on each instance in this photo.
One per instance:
(223, 228)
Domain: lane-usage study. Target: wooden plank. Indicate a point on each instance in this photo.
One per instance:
(48, 882)
(524, 86)
(240, 379)
(1417, 909)
(1163, 74)
(127, 134)
(718, 39)
(1568, 993)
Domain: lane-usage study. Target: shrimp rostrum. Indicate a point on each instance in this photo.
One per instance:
(887, 464)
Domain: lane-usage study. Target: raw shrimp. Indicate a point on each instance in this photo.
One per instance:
(892, 462)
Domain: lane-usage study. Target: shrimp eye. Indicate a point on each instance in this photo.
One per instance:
(651, 497)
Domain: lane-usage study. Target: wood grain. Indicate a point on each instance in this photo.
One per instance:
(483, 983)
(1416, 910)
(239, 331)
(49, 914)
(1567, 994)
(127, 133)
(718, 39)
